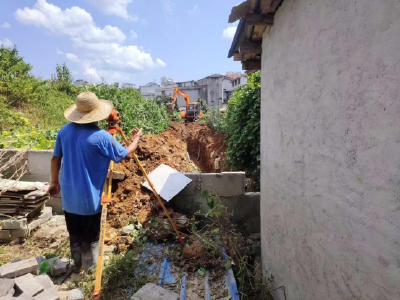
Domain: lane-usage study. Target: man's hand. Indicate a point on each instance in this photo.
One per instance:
(137, 132)
(54, 189)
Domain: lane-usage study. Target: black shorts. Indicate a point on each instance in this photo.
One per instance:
(87, 228)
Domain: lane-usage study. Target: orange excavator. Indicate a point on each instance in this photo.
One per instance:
(192, 111)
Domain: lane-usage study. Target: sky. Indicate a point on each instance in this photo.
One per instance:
(125, 41)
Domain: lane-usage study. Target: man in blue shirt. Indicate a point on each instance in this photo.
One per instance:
(85, 151)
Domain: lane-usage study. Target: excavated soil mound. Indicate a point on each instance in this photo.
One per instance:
(131, 199)
(206, 147)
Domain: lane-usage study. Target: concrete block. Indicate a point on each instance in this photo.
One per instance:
(12, 270)
(6, 287)
(39, 163)
(46, 213)
(40, 259)
(19, 297)
(48, 294)
(45, 216)
(19, 233)
(224, 184)
(56, 205)
(28, 285)
(247, 205)
(14, 224)
(45, 281)
(154, 292)
(194, 187)
(59, 266)
(5, 234)
(76, 294)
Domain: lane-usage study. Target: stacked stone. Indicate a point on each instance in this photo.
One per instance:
(15, 229)
(20, 280)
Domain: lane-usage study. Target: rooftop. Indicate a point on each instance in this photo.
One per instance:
(254, 16)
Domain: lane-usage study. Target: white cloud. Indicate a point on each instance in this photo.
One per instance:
(114, 7)
(101, 54)
(59, 52)
(72, 57)
(5, 25)
(133, 35)
(6, 43)
(90, 72)
(168, 8)
(194, 9)
(119, 57)
(229, 32)
(74, 22)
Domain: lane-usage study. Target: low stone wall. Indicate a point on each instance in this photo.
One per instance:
(229, 186)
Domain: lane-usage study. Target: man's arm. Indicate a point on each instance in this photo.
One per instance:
(137, 133)
(55, 188)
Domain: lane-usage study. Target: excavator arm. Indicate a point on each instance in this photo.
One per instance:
(177, 92)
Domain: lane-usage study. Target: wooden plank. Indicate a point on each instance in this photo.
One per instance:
(239, 11)
(257, 19)
(250, 47)
(269, 6)
(237, 57)
(258, 32)
(251, 65)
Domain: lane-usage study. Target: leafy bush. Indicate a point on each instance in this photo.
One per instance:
(214, 118)
(242, 126)
(47, 107)
(134, 110)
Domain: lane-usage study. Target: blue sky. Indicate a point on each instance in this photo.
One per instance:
(133, 41)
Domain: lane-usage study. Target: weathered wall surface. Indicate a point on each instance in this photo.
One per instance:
(330, 197)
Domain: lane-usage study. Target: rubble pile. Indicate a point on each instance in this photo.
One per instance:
(19, 279)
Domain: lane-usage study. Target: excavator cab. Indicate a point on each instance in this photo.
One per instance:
(193, 112)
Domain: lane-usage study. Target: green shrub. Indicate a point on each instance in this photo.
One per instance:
(134, 110)
(214, 118)
(47, 107)
(242, 126)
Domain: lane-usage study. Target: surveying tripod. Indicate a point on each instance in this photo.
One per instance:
(113, 128)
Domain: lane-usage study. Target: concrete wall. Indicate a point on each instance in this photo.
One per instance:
(330, 126)
(230, 187)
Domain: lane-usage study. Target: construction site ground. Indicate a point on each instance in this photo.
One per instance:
(192, 147)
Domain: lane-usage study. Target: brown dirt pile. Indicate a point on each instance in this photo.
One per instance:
(206, 147)
(131, 199)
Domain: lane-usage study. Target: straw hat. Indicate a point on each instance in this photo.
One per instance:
(88, 109)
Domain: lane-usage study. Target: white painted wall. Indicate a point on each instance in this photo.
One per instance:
(330, 126)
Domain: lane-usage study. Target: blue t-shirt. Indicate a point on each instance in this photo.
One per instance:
(86, 151)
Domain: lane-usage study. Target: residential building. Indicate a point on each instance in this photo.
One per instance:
(239, 81)
(219, 89)
(149, 90)
(80, 82)
(330, 151)
(128, 85)
(167, 81)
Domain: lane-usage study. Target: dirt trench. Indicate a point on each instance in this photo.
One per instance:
(206, 147)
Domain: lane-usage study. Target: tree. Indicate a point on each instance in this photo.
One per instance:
(16, 82)
(63, 79)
